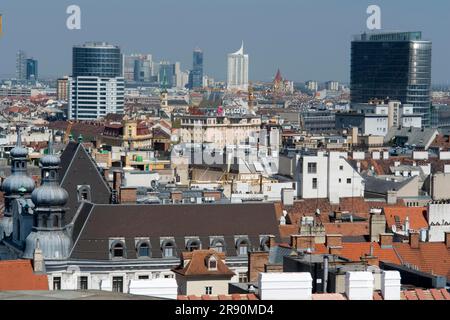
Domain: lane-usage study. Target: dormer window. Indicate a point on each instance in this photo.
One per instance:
(143, 250)
(242, 246)
(168, 249)
(212, 263)
(118, 250)
(193, 245)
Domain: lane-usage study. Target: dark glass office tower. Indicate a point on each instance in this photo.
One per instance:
(196, 75)
(97, 59)
(395, 66)
(32, 69)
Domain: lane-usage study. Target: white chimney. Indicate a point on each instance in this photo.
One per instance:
(159, 288)
(285, 286)
(390, 285)
(359, 285)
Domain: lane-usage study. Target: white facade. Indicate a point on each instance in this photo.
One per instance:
(328, 176)
(238, 70)
(438, 221)
(92, 98)
(375, 125)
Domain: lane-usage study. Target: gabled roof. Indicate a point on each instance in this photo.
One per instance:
(78, 168)
(197, 264)
(19, 275)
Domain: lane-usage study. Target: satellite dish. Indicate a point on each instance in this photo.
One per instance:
(318, 212)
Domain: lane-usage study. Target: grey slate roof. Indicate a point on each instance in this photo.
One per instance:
(419, 137)
(77, 168)
(97, 223)
(382, 186)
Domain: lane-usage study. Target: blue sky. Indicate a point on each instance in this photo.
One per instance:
(306, 39)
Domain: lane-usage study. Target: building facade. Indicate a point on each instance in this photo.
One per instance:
(32, 69)
(395, 66)
(196, 74)
(96, 87)
(238, 70)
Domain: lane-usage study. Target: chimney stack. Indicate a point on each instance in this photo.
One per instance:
(386, 240)
(390, 285)
(359, 285)
(414, 238)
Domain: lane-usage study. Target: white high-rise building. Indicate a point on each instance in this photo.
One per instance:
(92, 98)
(238, 70)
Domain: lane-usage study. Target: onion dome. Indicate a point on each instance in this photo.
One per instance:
(19, 151)
(50, 160)
(49, 195)
(17, 184)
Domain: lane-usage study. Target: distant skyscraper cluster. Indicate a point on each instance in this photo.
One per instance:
(97, 86)
(238, 70)
(395, 66)
(26, 68)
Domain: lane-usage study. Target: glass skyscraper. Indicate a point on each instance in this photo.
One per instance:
(32, 69)
(395, 66)
(196, 75)
(97, 86)
(97, 59)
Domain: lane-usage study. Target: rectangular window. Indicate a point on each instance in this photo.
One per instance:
(168, 276)
(143, 277)
(349, 181)
(314, 183)
(312, 167)
(208, 290)
(243, 277)
(82, 283)
(56, 283)
(341, 168)
(340, 180)
(117, 284)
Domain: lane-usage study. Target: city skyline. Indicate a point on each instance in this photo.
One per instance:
(278, 43)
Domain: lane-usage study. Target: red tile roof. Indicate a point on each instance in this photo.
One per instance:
(197, 264)
(416, 216)
(347, 229)
(431, 257)
(354, 252)
(19, 275)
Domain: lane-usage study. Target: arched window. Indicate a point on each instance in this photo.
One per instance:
(218, 245)
(118, 250)
(193, 245)
(242, 247)
(168, 249)
(143, 250)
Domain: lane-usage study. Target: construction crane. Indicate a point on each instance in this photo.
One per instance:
(68, 131)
